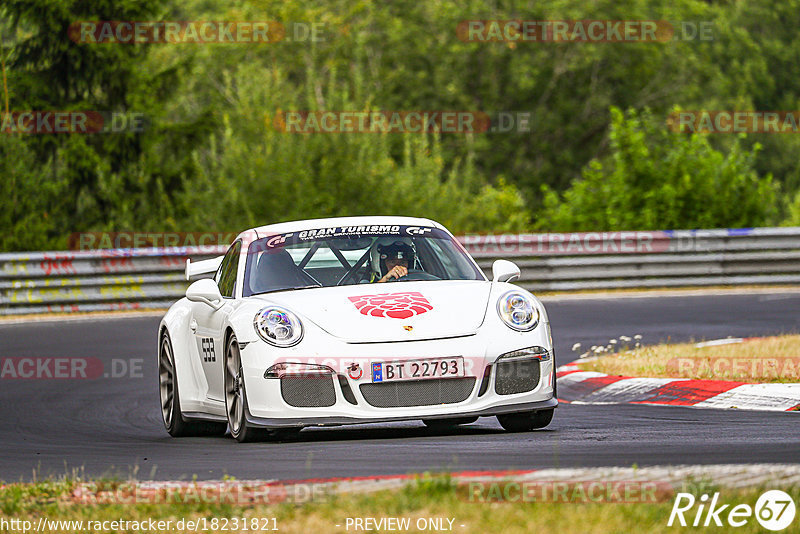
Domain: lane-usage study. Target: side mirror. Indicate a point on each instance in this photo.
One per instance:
(205, 291)
(504, 271)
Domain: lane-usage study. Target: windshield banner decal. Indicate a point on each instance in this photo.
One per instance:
(374, 230)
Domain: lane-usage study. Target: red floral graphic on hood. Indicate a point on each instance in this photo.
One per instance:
(394, 305)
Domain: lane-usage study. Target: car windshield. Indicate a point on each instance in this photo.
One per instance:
(326, 257)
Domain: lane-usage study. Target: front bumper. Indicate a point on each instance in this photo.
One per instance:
(338, 421)
(267, 406)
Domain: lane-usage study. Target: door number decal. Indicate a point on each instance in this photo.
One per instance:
(209, 354)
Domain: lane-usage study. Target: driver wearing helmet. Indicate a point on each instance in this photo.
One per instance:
(394, 259)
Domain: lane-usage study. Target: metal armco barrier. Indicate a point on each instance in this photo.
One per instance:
(152, 278)
(98, 280)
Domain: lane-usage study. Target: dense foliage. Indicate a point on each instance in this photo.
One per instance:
(598, 154)
(654, 179)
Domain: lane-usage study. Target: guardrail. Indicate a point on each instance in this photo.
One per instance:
(152, 278)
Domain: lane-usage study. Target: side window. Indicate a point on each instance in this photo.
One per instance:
(226, 276)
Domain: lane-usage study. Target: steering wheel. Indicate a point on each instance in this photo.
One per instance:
(413, 276)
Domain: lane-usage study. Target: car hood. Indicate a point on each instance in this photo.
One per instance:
(389, 312)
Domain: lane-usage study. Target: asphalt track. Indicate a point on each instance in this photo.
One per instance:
(112, 427)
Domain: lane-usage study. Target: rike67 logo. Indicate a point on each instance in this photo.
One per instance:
(393, 305)
(774, 510)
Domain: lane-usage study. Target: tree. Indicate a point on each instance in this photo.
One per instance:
(655, 179)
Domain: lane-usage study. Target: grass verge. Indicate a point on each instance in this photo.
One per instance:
(426, 498)
(770, 359)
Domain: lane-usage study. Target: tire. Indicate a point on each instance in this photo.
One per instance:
(236, 397)
(177, 426)
(441, 424)
(526, 421)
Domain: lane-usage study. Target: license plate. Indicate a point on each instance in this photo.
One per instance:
(418, 369)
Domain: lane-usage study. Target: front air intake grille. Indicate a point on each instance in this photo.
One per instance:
(418, 392)
(308, 391)
(518, 376)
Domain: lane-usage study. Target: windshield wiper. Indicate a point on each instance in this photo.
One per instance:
(288, 289)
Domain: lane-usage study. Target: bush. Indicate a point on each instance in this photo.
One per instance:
(654, 178)
(793, 211)
(30, 216)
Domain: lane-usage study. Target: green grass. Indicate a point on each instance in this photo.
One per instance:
(762, 360)
(427, 497)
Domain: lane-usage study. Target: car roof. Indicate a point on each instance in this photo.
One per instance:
(308, 224)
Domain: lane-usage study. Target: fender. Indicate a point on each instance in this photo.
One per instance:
(191, 379)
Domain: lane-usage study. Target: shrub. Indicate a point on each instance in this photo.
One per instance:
(654, 178)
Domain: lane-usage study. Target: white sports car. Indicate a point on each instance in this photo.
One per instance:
(352, 320)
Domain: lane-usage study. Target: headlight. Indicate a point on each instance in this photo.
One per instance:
(278, 327)
(518, 311)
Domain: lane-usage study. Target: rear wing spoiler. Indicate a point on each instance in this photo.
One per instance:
(194, 268)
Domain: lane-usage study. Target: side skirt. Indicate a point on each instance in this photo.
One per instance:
(200, 416)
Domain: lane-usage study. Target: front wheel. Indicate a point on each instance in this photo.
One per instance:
(525, 421)
(236, 396)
